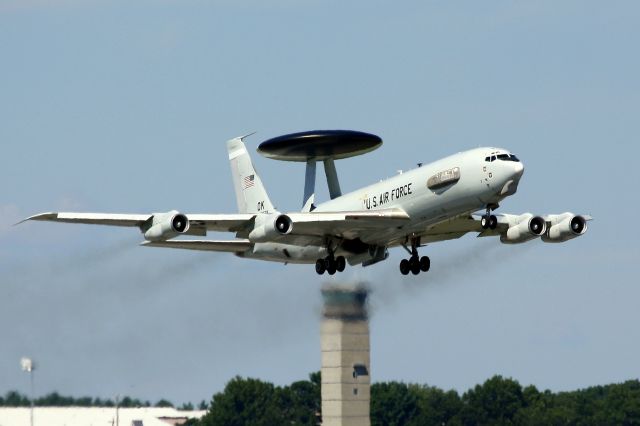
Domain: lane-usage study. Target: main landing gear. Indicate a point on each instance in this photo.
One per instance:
(414, 264)
(489, 221)
(330, 264)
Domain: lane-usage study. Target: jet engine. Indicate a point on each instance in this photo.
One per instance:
(564, 227)
(523, 228)
(270, 226)
(164, 226)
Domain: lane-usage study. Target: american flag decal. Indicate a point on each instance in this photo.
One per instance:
(248, 181)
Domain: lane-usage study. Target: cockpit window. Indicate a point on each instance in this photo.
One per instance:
(493, 158)
(508, 157)
(486, 159)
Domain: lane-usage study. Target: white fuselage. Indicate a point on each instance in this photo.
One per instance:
(479, 183)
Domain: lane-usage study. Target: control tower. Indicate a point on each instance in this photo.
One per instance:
(346, 382)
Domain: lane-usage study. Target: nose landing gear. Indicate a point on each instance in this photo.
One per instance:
(489, 221)
(415, 264)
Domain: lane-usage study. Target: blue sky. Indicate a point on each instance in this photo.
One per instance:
(119, 107)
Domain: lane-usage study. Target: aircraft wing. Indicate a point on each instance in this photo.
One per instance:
(461, 225)
(199, 224)
(454, 228)
(229, 246)
(345, 224)
(114, 219)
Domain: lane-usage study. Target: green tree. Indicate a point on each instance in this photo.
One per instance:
(393, 404)
(16, 399)
(54, 399)
(187, 406)
(128, 402)
(496, 401)
(244, 402)
(435, 406)
(301, 402)
(251, 401)
(164, 403)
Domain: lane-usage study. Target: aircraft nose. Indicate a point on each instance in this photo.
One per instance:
(518, 170)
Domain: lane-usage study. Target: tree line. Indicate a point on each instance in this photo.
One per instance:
(54, 399)
(497, 401)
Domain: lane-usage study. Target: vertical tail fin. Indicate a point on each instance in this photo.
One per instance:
(250, 193)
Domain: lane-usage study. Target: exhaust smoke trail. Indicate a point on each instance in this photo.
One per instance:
(71, 264)
(457, 267)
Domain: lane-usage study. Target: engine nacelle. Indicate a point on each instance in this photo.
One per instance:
(164, 226)
(269, 227)
(523, 228)
(564, 227)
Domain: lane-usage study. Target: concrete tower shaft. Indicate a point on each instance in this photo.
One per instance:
(346, 381)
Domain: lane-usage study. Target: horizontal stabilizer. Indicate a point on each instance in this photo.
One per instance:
(229, 246)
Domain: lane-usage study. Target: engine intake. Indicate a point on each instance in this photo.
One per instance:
(164, 226)
(269, 227)
(283, 224)
(180, 223)
(565, 227)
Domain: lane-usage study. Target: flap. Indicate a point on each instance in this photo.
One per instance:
(232, 246)
(346, 223)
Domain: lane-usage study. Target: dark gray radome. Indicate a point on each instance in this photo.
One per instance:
(319, 145)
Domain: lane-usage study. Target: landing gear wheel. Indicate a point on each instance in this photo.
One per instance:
(404, 267)
(488, 220)
(331, 269)
(493, 222)
(320, 266)
(484, 222)
(414, 264)
(341, 263)
(425, 263)
(330, 264)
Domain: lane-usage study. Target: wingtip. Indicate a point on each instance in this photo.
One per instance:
(39, 216)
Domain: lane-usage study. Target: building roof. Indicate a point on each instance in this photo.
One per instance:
(95, 416)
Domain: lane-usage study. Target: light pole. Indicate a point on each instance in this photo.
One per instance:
(29, 366)
(117, 410)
